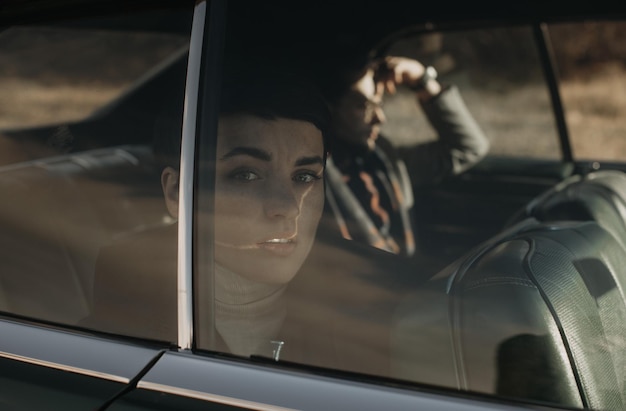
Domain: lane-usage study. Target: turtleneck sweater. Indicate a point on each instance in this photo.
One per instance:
(248, 314)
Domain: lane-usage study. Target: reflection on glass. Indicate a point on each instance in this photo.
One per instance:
(280, 284)
(269, 196)
(76, 166)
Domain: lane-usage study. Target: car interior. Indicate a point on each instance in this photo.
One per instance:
(527, 301)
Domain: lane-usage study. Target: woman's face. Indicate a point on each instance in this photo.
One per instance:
(269, 195)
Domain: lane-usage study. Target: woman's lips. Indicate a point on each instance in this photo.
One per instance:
(279, 246)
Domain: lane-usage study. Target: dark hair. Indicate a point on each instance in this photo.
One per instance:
(339, 68)
(258, 90)
(271, 94)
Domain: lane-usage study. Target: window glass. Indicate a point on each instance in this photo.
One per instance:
(278, 284)
(305, 249)
(500, 76)
(305, 245)
(590, 59)
(82, 102)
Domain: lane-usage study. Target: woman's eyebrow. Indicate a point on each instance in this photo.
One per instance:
(248, 151)
(306, 161)
(265, 156)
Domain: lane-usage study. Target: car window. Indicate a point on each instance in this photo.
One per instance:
(80, 105)
(500, 75)
(286, 278)
(590, 60)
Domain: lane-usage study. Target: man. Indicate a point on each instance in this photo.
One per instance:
(369, 192)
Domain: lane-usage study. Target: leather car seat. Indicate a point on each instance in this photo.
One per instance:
(535, 314)
(598, 196)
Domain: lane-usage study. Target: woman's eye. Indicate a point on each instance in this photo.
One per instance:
(246, 175)
(307, 177)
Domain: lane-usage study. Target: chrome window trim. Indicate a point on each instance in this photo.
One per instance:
(66, 351)
(260, 387)
(204, 396)
(185, 194)
(63, 367)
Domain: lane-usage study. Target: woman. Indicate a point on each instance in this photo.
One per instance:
(269, 196)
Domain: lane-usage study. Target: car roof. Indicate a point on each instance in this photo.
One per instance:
(306, 29)
(358, 14)
(20, 12)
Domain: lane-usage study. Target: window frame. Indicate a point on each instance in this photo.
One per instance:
(186, 180)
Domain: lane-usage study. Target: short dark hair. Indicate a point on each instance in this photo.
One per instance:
(270, 94)
(256, 89)
(341, 65)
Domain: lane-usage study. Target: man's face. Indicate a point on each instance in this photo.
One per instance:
(358, 114)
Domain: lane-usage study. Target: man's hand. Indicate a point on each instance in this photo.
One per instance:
(394, 71)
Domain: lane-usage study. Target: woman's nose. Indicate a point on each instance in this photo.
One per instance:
(282, 201)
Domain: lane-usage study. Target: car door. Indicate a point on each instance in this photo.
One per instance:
(43, 368)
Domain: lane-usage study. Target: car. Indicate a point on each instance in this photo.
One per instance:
(110, 294)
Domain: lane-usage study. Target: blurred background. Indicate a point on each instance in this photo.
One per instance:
(53, 75)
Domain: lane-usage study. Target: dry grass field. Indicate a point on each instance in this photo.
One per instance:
(519, 120)
(52, 76)
(511, 101)
(57, 75)
(596, 113)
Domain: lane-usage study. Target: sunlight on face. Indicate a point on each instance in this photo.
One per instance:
(269, 195)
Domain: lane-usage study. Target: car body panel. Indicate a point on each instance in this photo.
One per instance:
(272, 388)
(90, 369)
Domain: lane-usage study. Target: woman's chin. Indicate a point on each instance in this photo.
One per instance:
(279, 273)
